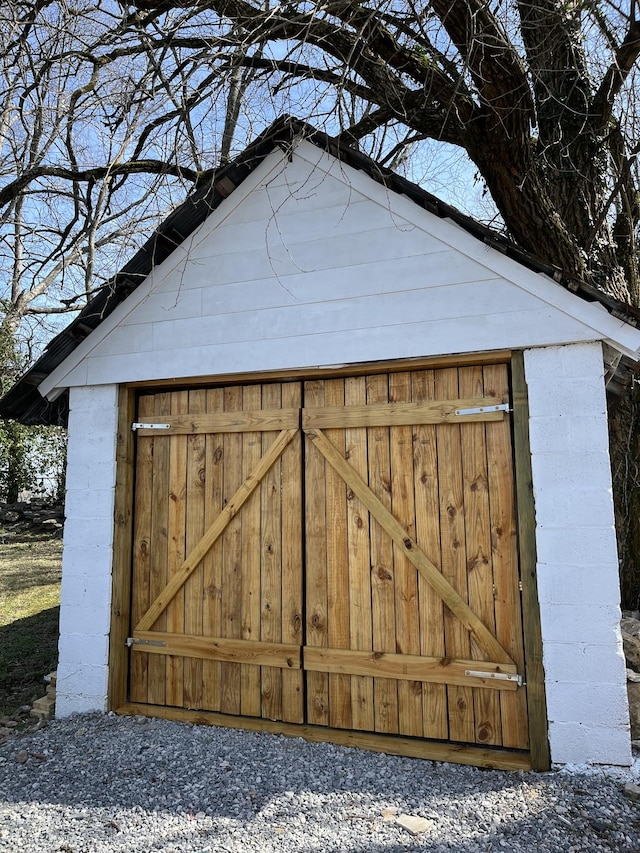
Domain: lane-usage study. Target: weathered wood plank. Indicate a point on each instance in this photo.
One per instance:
(176, 543)
(359, 551)
(337, 568)
(475, 484)
(194, 586)
(251, 420)
(271, 564)
(232, 557)
(425, 477)
(383, 610)
(504, 541)
(231, 509)
(142, 539)
(453, 558)
(407, 667)
(122, 551)
(250, 676)
(536, 698)
(409, 548)
(212, 560)
(400, 413)
(195, 646)
(159, 544)
(316, 563)
(292, 562)
(404, 511)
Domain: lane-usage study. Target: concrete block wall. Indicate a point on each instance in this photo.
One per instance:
(87, 554)
(578, 583)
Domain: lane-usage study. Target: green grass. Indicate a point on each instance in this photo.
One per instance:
(30, 569)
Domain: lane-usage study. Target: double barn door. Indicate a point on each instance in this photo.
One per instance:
(336, 552)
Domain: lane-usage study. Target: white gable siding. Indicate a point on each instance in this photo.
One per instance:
(312, 263)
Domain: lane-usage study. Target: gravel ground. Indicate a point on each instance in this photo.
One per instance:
(98, 783)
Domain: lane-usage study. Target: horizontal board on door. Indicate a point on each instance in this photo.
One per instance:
(407, 667)
(282, 655)
(260, 420)
(403, 414)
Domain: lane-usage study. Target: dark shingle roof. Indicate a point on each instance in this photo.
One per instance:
(24, 402)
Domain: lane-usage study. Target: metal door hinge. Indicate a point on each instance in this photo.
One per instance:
(483, 410)
(136, 641)
(499, 676)
(136, 426)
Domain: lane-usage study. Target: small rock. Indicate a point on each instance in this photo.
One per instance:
(414, 824)
(632, 792)
(633, 676)
(22, 757)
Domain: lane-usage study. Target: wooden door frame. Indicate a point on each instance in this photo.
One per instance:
(538, 756)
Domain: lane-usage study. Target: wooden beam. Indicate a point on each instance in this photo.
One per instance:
(262, 420)
(536, 699)
(254, 652)
(242, 494)
(492, 759)
(406, 667)
(456, 604)
(330, 371)
(400, 414)
(122, 552)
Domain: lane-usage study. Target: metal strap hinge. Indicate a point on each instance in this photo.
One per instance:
(136, 426)
(136, 641)
(500, 676)
(482, 410)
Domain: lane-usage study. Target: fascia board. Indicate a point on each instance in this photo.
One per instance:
(619, 334)
(54, 384)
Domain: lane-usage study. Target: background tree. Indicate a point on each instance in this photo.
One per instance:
(109, 112)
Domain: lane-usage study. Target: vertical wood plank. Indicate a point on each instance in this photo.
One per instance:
(250, 689)
(212, 563)
(385, 690)
(159, 543)
(142, 550)
(292, 591)
(271, 563)
(478, 546)
(360, 619)
(337, 569)
(122, 575)
(505, 557)
(452, 533)
(194, 587)
(425, 477)
(177, 540)
(232, 558)
(316, 563)
(536, 699)
(406, 576)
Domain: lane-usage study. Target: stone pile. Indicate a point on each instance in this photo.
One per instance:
(36, 515)
(45, 707)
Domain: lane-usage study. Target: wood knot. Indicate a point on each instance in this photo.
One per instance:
(383, 574)
(408, 544)
(359, 522)
(217, 456)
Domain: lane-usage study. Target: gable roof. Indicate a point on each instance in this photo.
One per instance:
(24, 401)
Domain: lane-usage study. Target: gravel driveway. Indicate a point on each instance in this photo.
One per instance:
(98, 783)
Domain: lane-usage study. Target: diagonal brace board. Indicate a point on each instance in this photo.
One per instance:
(241, 495)
(456, 604)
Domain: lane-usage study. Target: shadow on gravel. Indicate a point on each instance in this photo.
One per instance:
(211, 781)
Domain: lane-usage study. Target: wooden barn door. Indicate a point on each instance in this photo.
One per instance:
(217, 565)
(413, 608)
(366, 579)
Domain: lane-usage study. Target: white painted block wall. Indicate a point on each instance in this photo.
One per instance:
(578, 582)
(87, 554)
